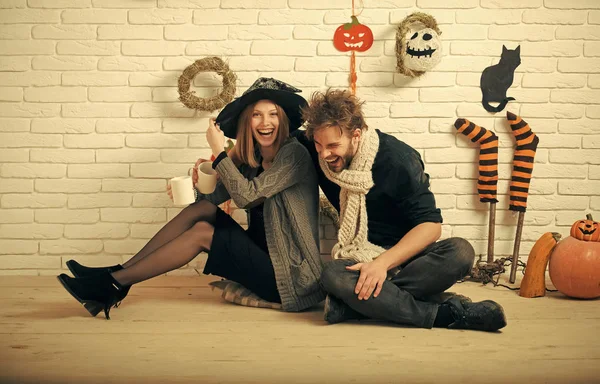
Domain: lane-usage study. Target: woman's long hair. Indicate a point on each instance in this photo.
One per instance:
(246, 145)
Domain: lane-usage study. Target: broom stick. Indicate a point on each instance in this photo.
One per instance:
(515, 255)
(491, 233)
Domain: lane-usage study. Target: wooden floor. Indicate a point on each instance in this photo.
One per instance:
(175, 329)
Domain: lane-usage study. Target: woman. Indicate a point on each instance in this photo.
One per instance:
(274, 179)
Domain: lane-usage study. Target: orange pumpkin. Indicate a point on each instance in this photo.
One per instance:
(586, 230)
(353, 36)
(575, 268)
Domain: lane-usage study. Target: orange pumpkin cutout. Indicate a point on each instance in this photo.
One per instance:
(353, 36)
(586, 230)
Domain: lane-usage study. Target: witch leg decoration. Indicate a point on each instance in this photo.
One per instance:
(523, 160)
(487, 184)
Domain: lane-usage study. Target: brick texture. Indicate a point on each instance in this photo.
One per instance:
(91, 128)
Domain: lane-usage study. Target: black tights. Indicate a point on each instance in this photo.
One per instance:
(176, 244)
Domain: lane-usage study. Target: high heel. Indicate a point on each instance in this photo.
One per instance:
(79, 270)
(96, 293)
(93, 307)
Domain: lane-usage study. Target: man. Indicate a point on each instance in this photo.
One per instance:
(388, 264)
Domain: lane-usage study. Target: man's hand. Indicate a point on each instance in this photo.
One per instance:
(372, 277)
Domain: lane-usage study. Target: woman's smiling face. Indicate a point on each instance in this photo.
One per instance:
(265, 123)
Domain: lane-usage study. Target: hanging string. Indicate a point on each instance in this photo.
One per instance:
(353, 76)
(361, 6)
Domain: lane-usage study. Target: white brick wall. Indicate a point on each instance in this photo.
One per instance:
(91, 129)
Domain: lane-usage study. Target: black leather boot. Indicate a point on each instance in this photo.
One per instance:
(79, 270)
(336, 311)
(485, 315)
(96, 293)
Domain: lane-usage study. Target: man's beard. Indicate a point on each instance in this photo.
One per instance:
(346, 160)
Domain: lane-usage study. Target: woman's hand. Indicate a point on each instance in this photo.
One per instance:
(195, 171)
(169, 190)
(215, 137)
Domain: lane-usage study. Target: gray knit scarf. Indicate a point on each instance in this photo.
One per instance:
(355, 183)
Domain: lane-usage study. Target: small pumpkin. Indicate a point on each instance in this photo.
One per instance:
(586, 230)
(353, 36)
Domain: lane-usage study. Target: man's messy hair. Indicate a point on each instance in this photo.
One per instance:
(335, 107)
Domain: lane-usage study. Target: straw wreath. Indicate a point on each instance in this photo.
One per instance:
(207, 64)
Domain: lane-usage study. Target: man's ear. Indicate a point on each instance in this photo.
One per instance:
(356, 134)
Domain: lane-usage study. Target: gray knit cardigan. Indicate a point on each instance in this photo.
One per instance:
(290, 193)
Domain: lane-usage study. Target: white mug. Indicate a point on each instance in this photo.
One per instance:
(183, 190)
(207, 178)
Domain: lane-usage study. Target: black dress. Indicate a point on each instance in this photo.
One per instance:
(243, 255)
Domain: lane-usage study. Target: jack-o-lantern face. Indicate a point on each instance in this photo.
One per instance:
(586, 230)
(353, 36)
(423, 49)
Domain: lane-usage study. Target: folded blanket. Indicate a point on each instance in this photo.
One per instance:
(238, 294)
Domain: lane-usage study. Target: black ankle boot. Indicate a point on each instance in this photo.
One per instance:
(96, 293)
(485, 315)
(79, 270)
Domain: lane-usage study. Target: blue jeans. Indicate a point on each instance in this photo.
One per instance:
(412, 296)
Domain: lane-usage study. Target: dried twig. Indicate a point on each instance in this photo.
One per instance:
(484, 272)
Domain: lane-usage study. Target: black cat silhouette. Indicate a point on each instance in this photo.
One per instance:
(496, 79)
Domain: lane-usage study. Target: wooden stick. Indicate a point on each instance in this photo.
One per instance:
(491, 233)
(515, 256)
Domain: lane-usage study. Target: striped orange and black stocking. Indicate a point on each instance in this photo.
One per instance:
(487, 184)
(527, 143)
